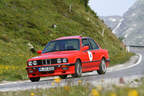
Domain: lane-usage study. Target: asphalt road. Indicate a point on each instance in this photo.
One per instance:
(91, 77)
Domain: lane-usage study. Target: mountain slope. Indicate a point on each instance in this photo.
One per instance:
(133, 24)
(131, 27)
(31, 21)
(111, 21)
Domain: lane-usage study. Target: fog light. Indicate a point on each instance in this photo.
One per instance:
(58, 65)
(65, 68)
(30, 71)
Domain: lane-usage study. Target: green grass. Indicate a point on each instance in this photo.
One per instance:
(24, 21)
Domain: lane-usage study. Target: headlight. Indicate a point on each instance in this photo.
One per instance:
(59, 60)
(34, 62)
(30, 63)
(62, 60)
(65, 60)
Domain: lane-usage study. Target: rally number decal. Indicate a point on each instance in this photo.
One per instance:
(90, 56)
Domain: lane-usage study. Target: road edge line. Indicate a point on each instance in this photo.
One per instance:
(123, 67)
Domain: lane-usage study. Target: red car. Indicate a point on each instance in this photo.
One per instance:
(68, 55)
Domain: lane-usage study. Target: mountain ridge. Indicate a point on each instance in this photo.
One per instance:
(131, 28)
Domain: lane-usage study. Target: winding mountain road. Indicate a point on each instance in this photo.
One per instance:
(92, 77)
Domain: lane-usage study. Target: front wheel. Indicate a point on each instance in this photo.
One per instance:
(36, 79)
(63, 76)
(78, 69)
(102, 67)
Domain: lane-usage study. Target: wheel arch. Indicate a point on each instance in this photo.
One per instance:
(78, 59)
(103, 57)
(77, 73)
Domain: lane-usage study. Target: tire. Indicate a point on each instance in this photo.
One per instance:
(34, 79)
(102, 67)
(78, 69)
(63, 76)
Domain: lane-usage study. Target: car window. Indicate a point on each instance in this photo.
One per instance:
(62, 45)
(72, 44)
(93, 44)
(85, 42)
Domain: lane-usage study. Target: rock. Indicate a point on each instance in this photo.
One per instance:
(31, 47)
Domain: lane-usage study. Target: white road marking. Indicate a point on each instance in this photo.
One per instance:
(122, 67)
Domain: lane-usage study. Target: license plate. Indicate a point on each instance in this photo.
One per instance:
(46, 69)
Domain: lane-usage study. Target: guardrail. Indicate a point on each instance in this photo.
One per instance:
(135, 45)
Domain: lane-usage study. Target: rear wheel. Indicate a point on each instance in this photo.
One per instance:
(78, 69)
(102, 67)
(36, 79)
(63, 76)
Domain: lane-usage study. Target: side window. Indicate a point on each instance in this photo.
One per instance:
(93, 44)
(85, 42)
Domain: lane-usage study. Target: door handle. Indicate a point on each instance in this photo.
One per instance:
(93, 52)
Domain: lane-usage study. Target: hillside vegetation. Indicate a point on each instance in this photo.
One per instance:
(30, 21)
(83, 89)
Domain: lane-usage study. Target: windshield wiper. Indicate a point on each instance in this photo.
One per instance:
(51, 51)
(60, 50)
(68, 49)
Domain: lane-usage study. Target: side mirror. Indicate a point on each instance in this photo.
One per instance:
(39, 51)
(85, 48)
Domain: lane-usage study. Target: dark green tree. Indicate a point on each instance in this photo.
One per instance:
(85, 3)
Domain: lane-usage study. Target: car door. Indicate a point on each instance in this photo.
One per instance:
(87, 56)
(96, 53)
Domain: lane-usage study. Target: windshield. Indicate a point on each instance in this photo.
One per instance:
(62, 45)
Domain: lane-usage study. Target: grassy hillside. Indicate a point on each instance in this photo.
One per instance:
(30, 21)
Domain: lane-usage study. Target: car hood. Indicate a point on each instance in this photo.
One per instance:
(52, 55)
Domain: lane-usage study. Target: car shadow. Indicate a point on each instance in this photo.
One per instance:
(84, 75)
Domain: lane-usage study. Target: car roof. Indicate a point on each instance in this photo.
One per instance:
(69, 37)
(85, 37)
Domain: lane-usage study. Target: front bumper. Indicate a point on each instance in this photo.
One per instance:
(64, 69)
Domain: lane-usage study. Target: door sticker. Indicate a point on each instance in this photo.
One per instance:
(90, 56)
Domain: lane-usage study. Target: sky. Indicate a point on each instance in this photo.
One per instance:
(110, 7)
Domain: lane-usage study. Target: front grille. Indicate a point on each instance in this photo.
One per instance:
(39, 62)
(53, 61)
(47, 61)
